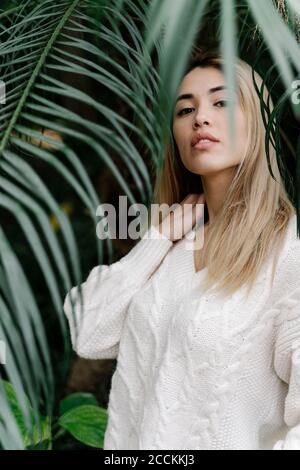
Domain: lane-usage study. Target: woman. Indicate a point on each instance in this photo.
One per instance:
(197, 367)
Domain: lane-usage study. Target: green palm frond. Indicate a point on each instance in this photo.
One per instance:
(67, 42)
(95, 80)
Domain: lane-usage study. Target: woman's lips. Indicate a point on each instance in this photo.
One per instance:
(204, 144)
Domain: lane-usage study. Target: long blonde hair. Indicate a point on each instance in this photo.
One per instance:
(256, 210)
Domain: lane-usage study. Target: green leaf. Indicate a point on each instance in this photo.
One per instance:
(87, 423)
(39, 433)
(76, 399)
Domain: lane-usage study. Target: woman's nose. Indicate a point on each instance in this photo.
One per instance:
(202, 119)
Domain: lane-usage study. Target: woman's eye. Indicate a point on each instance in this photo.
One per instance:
(218, 104)
(223, 103)
(182, 111)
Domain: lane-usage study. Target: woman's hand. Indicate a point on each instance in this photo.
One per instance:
(176, 224)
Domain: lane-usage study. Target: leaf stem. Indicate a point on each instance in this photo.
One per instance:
(35, 74)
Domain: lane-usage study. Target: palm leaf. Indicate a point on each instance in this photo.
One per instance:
(32, 68)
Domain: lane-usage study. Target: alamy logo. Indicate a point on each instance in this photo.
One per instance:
(137, 228)
(2, 352)
(2, 92)
(296, 94)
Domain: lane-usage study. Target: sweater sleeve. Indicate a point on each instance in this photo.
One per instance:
(96, 319)
(287, 366)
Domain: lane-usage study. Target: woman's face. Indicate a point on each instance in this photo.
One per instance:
(204, 111)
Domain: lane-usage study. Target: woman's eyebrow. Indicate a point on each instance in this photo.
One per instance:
(188, 96)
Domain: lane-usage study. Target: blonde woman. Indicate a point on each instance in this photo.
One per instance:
(207, 340)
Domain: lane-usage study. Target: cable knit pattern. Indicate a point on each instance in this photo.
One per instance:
(194, 370)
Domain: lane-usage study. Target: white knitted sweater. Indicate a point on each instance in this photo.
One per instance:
(194, 371)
